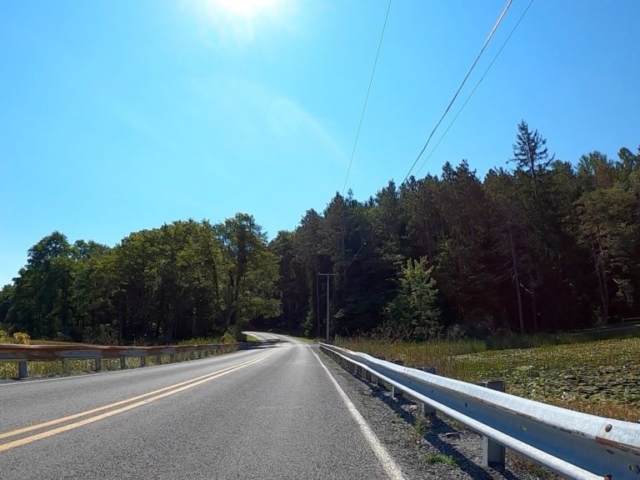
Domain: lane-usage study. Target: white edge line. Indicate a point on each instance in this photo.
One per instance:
(389, 465)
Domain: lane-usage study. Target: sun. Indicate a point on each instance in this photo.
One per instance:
(241, 21)
(246, 9)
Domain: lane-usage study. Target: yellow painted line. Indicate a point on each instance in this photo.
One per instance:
(50, 423)
(153, 396)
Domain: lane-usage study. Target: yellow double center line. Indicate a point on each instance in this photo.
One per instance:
(94, 415)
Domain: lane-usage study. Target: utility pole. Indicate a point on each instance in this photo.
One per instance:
(317, 304)
(328, 305)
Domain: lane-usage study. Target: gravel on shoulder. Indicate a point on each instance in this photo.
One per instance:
(435, 446)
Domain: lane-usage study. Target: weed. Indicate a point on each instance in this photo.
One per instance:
(432, 458)
(421, 427)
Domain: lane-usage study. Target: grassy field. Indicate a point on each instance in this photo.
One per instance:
(597, 377)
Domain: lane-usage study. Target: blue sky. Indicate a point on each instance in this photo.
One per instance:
(119, 116)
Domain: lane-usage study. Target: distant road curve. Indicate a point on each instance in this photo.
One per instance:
(265, 336)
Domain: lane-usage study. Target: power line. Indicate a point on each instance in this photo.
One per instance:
(366, 99)
(476, 87)
(484, 46)
(486, 42)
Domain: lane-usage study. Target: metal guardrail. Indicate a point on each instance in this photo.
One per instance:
(573, 444)
(26, 353)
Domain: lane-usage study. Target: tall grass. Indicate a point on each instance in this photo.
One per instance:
(436, 353)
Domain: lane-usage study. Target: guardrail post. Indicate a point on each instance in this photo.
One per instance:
(172, 357)
(492, 452)
(123, 362)
(22, 369)
(65, 366)
(158, 359)
(143, 361)
(425, 409)
(98, 364)
(394, 391)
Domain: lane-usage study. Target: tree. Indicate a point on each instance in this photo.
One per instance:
(530, 154)
(414, 310)
(506, 211)
(42, 297)
(251, 272)
(545, 246)
(608, 227)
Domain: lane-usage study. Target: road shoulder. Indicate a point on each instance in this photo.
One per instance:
(436, 448)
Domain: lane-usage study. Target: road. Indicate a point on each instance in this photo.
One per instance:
(269, 413)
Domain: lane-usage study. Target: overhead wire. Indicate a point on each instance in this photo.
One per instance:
(484, 46)
(366, 99)
(486, 42)
(476, 87)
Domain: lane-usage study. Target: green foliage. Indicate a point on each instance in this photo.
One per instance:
(547, 246)
(232, 336)
(307, 325)
(432, 458)
(414, 310)
(421, 427)
(19, 338)
(179, 281)
(101, 335)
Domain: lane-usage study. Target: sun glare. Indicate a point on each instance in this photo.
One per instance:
(244, 8)
(241, 20)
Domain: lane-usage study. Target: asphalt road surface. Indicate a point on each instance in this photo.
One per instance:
(269, 413)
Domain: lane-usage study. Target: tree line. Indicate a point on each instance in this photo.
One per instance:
(180, 281)
(538, 245)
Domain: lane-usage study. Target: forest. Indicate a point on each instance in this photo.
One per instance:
(538, 245)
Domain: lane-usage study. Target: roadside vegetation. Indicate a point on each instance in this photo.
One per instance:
(599, 377)
(538, 245)
(9, 370)
(543, 245)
